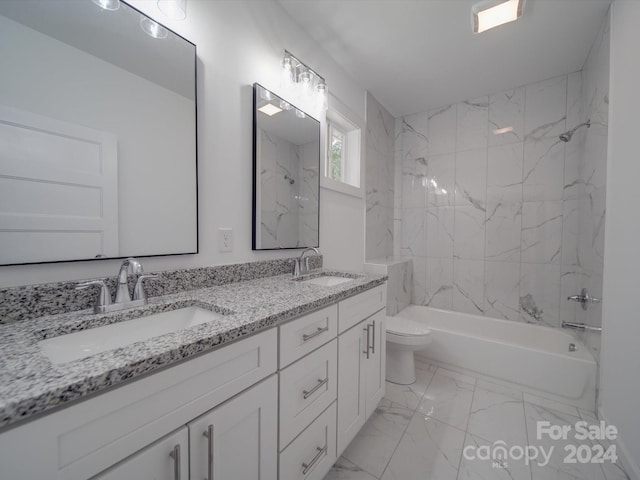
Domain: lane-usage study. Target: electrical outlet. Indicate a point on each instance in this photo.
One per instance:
(225, 239)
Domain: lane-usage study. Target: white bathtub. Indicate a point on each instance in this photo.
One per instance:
(535, 358)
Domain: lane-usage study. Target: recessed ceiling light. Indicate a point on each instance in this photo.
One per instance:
(500, 131)
(492, 13)
(270, 109)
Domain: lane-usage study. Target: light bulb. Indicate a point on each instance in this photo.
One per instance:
(300, 114)
(152, 28)
(111, 5)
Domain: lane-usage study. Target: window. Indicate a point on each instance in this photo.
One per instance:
(337, 151)
(341, 170)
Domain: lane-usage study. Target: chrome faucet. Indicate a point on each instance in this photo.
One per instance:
(123, 299)
(301, 264)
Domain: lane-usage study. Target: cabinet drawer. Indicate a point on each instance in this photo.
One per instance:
(357, 308)
(160, 461)
(302, 336)
(307, 387)
(313, 453)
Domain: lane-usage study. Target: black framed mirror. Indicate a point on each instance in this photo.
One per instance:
(286, 174)
(98, 148)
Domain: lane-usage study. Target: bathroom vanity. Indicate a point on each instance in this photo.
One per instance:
(275, 388)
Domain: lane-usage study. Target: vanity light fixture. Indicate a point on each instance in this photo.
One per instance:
(270, 109)
(152, 28)
(173, 9)
(111, 5)
(500, 131)
(307, 80)
(493, 13)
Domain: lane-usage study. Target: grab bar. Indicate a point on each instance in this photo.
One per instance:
(580, 326)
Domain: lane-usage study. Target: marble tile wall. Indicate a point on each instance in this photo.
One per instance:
(400, 281)
(379, 180)
(590, 196)
(489, 209)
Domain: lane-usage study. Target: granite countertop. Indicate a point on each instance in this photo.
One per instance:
(30, 384)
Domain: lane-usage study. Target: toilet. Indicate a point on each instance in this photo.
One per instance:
(404, 337)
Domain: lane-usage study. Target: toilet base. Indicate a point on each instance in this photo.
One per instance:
(401, 368)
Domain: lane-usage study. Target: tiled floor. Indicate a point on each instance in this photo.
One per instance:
(419, 432)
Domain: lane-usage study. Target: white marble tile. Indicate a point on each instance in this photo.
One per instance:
(503, 388)
(506, 117)
(410, 396)
(471, 178)
(399, 286)
(570, 232)
(542, 283)
(419, 291)
(372, 448)
(413, 232)
(472, 122)
(346, 470)
(440, 232)
(414, 136)
(457, 376)
(449, 400)
(439, 283)
(442, 130)
(503, 230)
(469, 229)
(468, 286)
(441, 180)
(541, 232)
(574, 99)
(414, 183)
(474, 468)
(496, 416)
(504, 173)
(502, 290)
(543, 177)
(570, 281)
(428, 449)
(545, 108)
(557, 469)
(550, 404)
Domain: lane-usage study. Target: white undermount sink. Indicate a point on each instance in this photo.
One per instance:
(327, 280)
(86, 343)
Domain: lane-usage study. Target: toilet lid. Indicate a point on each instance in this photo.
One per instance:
(406, 327)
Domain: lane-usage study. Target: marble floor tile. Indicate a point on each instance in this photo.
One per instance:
(474, 468)
(497, 416)
(551, 404)
(372, 448)
(460, 377)
(559, 467)
(409, 396)
(429, 449)
(448, 400)
(346, 470)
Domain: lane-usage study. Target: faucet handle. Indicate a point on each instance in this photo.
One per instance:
(138, 291)
(105, 295)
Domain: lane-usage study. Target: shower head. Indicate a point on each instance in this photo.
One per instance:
(566, 136)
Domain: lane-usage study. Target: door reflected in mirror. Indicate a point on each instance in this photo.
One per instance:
(97, 134)
(286, 174)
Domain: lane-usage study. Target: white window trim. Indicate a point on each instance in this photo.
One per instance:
(339, 113)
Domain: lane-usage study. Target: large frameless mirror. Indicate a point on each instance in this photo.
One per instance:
(286, 174)
(97, 133)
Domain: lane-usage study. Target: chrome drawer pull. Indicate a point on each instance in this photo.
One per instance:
(175, 454)
(306, 337)
(306, 467)
(366, 350)
(307, 393)
(209, 434)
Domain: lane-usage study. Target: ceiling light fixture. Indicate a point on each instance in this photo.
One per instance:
(270, 109)
(111, 5)
(173, 9)
(492, 13)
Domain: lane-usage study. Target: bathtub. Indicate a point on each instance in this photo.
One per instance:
(535, 358)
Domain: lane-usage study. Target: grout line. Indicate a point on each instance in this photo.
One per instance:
(466, 428)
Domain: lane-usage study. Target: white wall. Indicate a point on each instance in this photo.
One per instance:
(239, 43)
(620, 382)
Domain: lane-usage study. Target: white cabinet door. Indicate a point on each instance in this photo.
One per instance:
(351, 395)
(375, 364)
(166, 459)
(238, 439)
